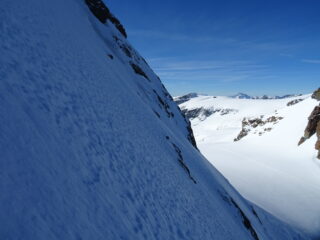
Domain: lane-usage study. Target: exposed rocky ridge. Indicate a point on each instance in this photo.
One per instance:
(316, 94)
(185, 98)
(245, 221)
(182, 162)
(313, 126)
(294, 102)
(259, 125)
(203, 113)
(102, 12)
(138, 63)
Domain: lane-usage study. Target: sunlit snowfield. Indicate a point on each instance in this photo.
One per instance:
(269, 170)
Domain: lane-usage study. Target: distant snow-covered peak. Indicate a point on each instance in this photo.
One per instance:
(241, 96)
(265, 97)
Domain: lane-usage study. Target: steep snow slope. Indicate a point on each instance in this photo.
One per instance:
(266, 166)
(93, 147)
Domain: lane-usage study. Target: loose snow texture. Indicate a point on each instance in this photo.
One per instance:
(269, 170)
(83, 155)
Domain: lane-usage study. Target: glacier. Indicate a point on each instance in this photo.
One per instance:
(264, 163)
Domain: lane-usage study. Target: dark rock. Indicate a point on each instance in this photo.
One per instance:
(182, 163)
(163, 104)
(204, 113)
(185, 98)
(273, 119)
(165, 91)
(102, 13)
(126, 50)
(191, 114)
(156, 113)
(255, 122)
(256, 215)
(110, 56)
(246, 221)
(242, 134)
(302, 140)
(139, 71)
(316, 94)
(317, 146)
(249, 124)
(314, 118)
(191, 136)
(293, 102)
(313, 127)
(226, 111)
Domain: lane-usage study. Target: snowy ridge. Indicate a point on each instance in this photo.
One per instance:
(185, 98)
(265, 163)
(92, 145)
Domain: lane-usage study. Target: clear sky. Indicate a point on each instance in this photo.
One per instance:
(227, 46)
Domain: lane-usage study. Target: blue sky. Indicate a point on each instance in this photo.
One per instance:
(228, 46)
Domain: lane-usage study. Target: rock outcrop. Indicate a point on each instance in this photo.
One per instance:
(102, 13)
(185, 98)
(316, 95)
(203, 113)
(294, 102)
(313, 126)
(259, 125)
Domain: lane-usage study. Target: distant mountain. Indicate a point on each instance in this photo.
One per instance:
(287, 96)
(242, 96)
(265, 97)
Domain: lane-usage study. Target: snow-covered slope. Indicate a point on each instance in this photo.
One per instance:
(265, 164)
(92, 145)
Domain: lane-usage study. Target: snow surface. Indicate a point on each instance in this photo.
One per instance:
(269, 170)
(88, 150)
